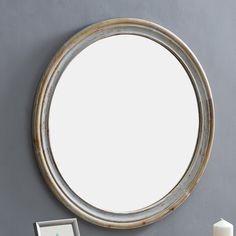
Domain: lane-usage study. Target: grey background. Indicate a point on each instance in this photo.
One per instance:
(30, 33)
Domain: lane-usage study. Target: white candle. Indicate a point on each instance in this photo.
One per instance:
(223, 228)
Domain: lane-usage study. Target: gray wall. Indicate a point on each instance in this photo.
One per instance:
(30, 33)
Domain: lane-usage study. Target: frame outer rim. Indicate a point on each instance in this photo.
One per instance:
(39, 100)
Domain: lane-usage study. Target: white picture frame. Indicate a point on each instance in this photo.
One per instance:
(63, 227)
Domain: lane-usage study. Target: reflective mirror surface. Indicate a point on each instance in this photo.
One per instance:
(123, 123)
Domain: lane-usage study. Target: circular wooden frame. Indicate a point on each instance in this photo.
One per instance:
(43, 98)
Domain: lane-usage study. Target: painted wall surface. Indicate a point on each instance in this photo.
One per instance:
(30, 33)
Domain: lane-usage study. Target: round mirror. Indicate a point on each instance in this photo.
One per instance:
(123, 123)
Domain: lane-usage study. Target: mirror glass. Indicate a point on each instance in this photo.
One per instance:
(123, 123)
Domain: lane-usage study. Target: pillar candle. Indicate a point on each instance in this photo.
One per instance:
(223, 228)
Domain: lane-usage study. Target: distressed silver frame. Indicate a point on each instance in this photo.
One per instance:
(42, 224)
(43, 98)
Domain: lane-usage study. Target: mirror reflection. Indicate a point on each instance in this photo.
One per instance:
(123, 123)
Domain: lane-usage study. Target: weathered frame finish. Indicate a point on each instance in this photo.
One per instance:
(72, 222)
(43, 98)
